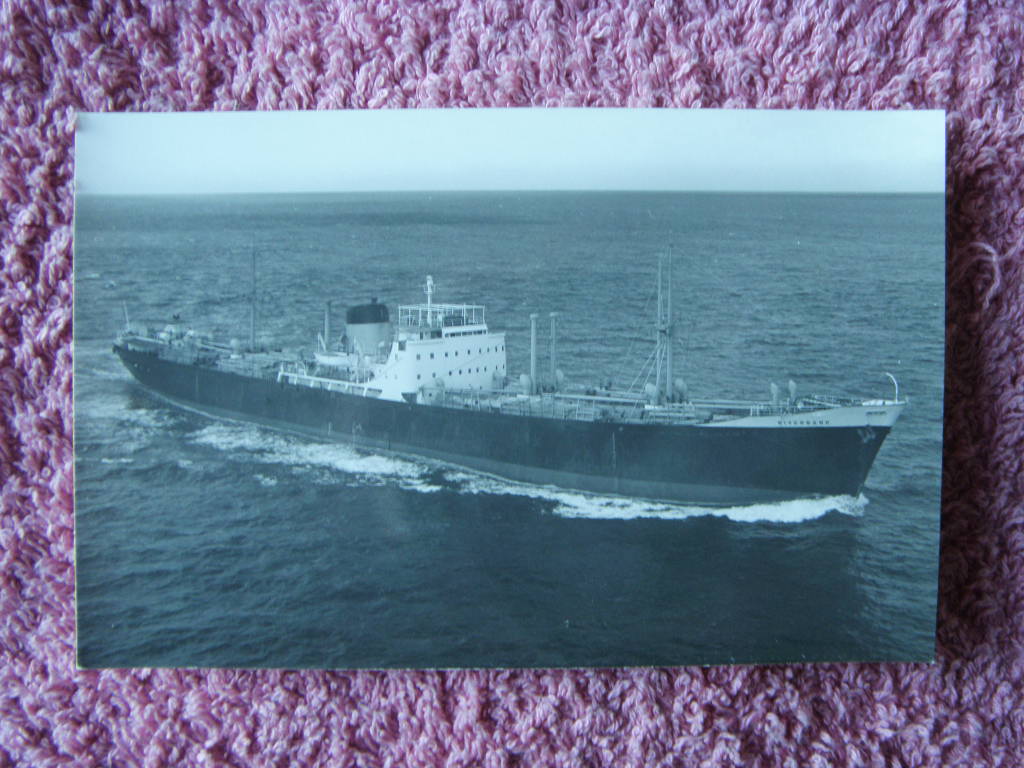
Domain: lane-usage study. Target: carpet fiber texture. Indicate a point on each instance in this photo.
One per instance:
(965, 57)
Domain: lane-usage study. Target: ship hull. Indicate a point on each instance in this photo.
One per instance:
(691, 464)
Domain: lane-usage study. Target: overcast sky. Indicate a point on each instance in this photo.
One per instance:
(511, 149)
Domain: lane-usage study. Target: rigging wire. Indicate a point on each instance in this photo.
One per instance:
(624, 369)
(647, 366)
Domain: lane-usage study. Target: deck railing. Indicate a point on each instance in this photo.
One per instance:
(619, 408)
(331, 385)
(438, 315)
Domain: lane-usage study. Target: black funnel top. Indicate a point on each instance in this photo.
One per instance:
(367, 313)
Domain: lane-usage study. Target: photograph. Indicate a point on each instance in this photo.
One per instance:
(493, 388)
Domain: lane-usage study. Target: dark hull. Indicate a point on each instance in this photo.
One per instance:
(690, 464)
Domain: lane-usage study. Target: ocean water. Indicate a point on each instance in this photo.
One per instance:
(205, 542)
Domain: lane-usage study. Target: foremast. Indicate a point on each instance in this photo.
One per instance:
(665, 332)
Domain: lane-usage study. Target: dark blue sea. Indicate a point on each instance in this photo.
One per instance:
(205, 542)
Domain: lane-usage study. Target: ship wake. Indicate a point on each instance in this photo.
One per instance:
(576, 504)
(326, 461)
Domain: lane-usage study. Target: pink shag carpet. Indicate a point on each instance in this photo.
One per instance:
(963, 56)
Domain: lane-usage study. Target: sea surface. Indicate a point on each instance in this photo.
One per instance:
(206, 542)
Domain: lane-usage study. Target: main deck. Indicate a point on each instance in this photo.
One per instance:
(584, 405)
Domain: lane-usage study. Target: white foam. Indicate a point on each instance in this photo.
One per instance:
(270, 447)
(117, 408)
(577, 504)
(418, 484)
(116, 374)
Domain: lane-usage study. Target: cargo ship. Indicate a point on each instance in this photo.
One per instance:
(435, 384)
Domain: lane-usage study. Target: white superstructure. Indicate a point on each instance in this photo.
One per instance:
(434, 348)
(439, 346)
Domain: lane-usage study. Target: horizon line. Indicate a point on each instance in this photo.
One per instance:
(86, 193)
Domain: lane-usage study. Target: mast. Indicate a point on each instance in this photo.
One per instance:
(429, 290)
(327, 327)
(665, 331)
(658, 342)
(252, 305)
(553, 316)
(533, 353)
(669, 336)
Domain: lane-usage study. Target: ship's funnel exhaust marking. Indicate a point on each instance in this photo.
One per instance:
(368, 328)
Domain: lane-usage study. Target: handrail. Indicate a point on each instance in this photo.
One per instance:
(434, 315)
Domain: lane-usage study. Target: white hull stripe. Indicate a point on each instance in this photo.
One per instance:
(848, 416)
